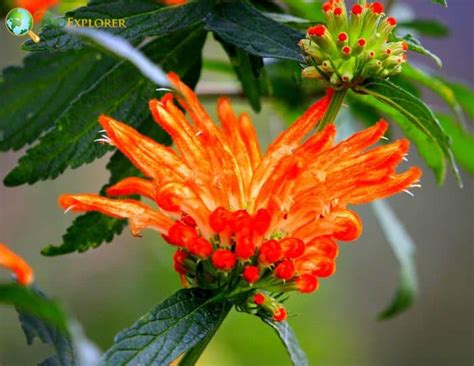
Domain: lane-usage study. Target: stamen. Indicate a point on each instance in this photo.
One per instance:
(385, 138)
(69, 209)
(408, 192)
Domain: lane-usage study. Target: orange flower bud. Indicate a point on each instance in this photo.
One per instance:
(251, 274)
(224, 260)
(199, 247)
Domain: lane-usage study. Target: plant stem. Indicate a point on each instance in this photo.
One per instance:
(333, 109)
(190, 358)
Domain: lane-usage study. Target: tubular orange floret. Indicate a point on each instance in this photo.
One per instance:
(306, 283)
(280, 314)
(349, 224)
(261, 221)
(251, 274)
(244, 247)
(324, 246)
(285, 270)
(270, 252)
(224, 260)
(199, 247)
(292, 247)
(219, 219)
(259, 299)
(178, 261)
(16, 264)
(180, 234)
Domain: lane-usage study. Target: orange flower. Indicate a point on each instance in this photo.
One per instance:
(173, 2)
(281, 212)
(11, 261)
(37, 7)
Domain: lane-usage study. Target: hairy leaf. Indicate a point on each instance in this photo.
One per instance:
(142, 19)
(242, 25)
(415, 111)
(38, 92)
(173, 327)
(462, 142)
(122, 92)
(426, 146)
(404, 249)
(288, 338)
(426, 27)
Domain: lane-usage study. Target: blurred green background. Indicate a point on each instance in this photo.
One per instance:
(108, 288)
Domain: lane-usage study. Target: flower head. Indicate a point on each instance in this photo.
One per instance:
(353, 45)
(11, 261)
(255, 222)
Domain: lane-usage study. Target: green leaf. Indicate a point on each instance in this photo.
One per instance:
(242, 25)
(436, 85)
(441, 2)
(284, 331)
(462, 142)
(173, 327)
(142, 19)
(38, 92)
(248, 68)
(404, 249)
(464, 95)
(426, 27)
(426, 146)
(416, 46)
(90, 230)
(416, 112)
(33, 302)
(290, 20)
(122, 92)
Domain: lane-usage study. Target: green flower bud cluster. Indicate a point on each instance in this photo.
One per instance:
(352, 48)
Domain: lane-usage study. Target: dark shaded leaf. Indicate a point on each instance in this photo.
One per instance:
(36, 94)
(242, 25)
(462, 142)
(404, 249)
(284, 331)
(173, 327)
(441, 2)
(415, 111)
(426, 27)
(122, 92)
(142, 19)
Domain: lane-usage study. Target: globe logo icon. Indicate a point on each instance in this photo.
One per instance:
(19, 22)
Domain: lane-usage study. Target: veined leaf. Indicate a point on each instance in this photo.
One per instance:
(441, 2)
(426, 27)
(173, 327)
(436, 85)
(91, 229)
(242, 25)
(122, 93)
(462, 142)
(38, 92)
(404, 249)
(288, 338)
(415, 111)
(426, 146)
(142, 19)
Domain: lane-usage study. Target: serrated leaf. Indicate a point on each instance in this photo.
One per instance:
(288, 338)
(247, 68)
(462, 142)
(427, 148)
(415, 111)
(242, 25)
(33, 302)
(122, 92)
(426, 27)
(38, 92)
(404, 249)
(92, 229)
(141, 20)
(441, 2)
(436, 85)
(173, 327)
(416, 46)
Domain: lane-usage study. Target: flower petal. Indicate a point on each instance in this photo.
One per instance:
(13, 262)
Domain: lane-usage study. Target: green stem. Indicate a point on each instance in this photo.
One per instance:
(333, 109)
(191, 357)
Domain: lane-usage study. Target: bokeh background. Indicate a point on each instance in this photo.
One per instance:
(108, 288)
